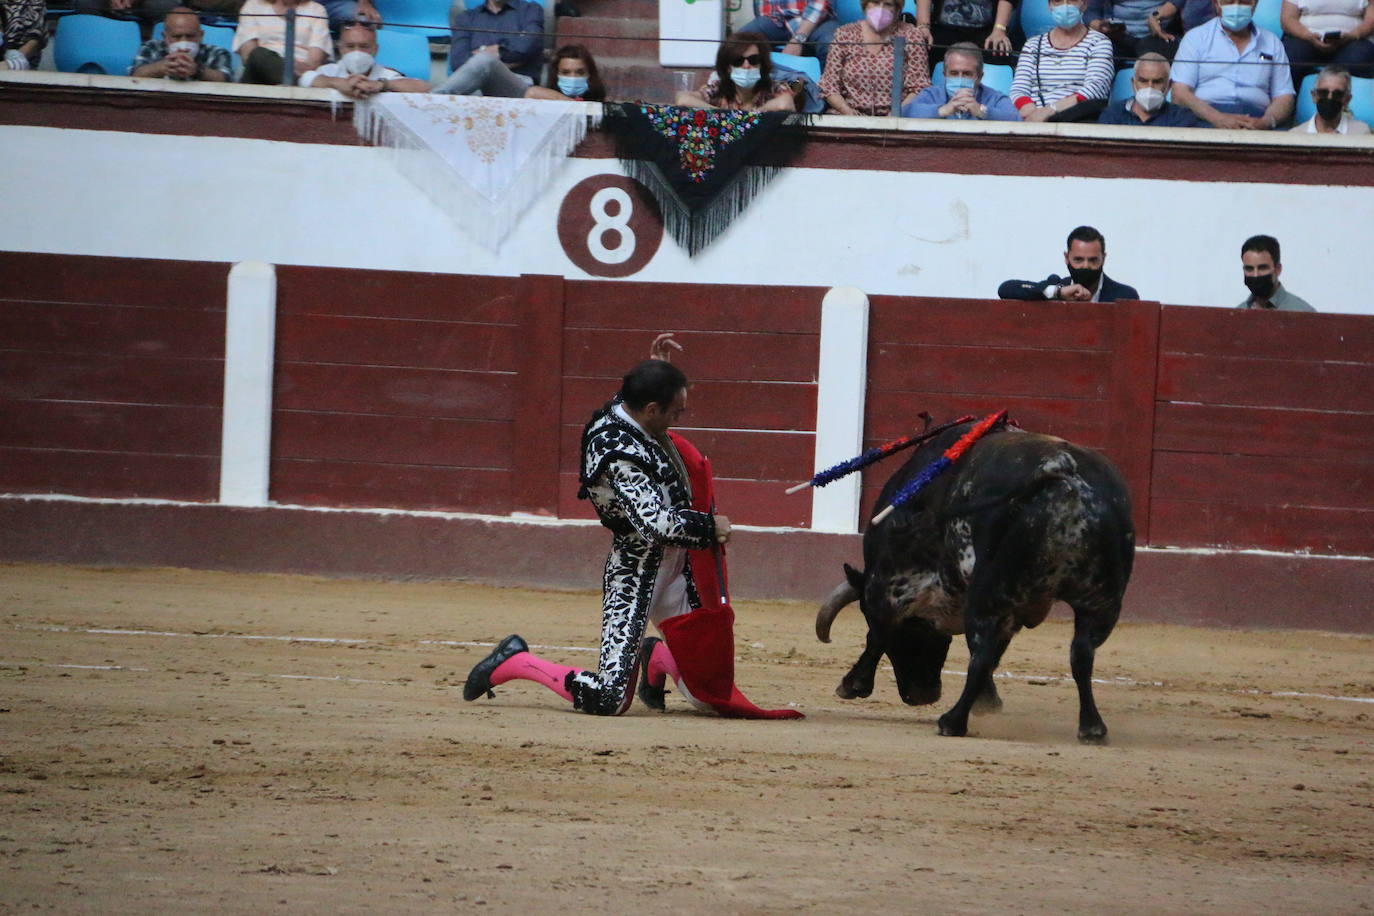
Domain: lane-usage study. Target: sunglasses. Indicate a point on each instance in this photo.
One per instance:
(1328, 93)
(752, 60)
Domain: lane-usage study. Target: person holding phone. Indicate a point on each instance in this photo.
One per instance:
(1127, 24)
(1318, 32)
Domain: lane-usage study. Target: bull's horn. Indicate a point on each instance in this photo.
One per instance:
(843, 594)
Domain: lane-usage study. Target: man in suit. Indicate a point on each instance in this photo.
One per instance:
(1087, 252)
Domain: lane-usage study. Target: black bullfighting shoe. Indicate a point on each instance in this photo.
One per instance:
(479, 678)
(650, 695)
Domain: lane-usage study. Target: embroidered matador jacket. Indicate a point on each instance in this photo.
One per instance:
(639, 489)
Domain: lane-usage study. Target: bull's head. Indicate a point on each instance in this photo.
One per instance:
(915, 648)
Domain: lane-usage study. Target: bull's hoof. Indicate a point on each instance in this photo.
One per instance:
(951, 727)
(853, 692)
(921, 697)
(1093, 734)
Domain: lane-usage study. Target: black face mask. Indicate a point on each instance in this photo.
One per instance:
(1330, 109)
(1086, 277)
(1261, 287)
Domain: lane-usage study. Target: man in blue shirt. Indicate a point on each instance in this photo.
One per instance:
(963, 96)
(1231, 74)
(514, 28)
(1149, 104)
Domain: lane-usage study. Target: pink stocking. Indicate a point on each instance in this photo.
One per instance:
(662, 665)
(527, 666)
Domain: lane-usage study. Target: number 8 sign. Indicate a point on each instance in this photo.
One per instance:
(610, 226)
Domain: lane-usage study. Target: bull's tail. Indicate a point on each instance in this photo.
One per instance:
(1059, 468)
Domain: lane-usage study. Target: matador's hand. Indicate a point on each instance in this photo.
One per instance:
(663, 347)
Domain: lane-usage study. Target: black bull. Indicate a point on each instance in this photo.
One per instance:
(1020, 521)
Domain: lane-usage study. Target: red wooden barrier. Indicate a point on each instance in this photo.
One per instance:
(1265, 431)
(111, 376)
(394, 389)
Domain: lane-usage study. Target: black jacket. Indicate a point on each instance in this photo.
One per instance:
(1025, 289)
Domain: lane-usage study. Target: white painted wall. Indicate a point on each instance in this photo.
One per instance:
(923, 234)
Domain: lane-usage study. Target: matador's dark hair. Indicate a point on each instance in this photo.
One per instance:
(654, 381)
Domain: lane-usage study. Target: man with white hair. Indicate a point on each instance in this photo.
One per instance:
(356, 73)
(1149, 102)
(1332, 97)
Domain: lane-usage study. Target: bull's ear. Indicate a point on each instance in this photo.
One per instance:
(856, 578)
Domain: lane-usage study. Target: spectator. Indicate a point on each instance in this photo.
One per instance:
(1317, 32)
(356, 73)
(808, 26)
(982, 22)
(1085, 283)
(1232, 74)
(963, 96)
(743, 79)
(1331, 96)
(572, 78)
(1127, 24)
(145, 11)
(181, 54)
(1168, 30)
(23, 32)
(342, 12)
(858, 71)
(1259, 258)
(260, 40)
(1064, 74)
(510, 30)
(1150, 104)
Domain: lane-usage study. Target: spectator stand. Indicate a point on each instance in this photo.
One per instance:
(95, 44)
(811, 66)
(1035, 17)
(428, 18)
(1361, 99)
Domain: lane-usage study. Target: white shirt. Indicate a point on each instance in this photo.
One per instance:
(337, 71)
(1330, 15)
(1348, 125)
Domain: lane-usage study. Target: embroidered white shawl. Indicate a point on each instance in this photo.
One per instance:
(484, 161)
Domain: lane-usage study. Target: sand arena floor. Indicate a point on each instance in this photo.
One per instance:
(175, 741)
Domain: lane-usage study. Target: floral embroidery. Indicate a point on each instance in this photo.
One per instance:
(700, 134)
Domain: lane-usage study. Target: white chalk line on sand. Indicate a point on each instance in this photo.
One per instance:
(288, 677)
(478, 644)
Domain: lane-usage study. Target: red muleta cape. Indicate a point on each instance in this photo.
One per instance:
(703, 641)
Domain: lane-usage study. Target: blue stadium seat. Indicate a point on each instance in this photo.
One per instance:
(95, 44)
(1035, 17)
(1361, 102)
(811, 66)
(1267, 15)
(404, 51)
(422, 17)
(219, 36)
(1121, 86)
(995, 76)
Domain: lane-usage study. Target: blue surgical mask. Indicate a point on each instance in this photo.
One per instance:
(1066, 15)
(954, 83)
(573, 87)
(745, 77)
(1236, 16)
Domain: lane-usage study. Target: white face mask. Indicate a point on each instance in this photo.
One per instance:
(190, 47)
(357, 62)
(1149, 98)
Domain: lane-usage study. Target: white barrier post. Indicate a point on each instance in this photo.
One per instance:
(249, 353)
(842, 380)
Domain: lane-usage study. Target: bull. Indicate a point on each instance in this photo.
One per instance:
(1020, 521)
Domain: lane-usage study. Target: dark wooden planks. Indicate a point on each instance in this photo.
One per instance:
(395, 389)
(1265, 430)
(685, 308)
(111, 375)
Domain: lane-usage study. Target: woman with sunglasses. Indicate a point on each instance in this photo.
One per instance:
(573, 77)
(744, 79)
(858, 72)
